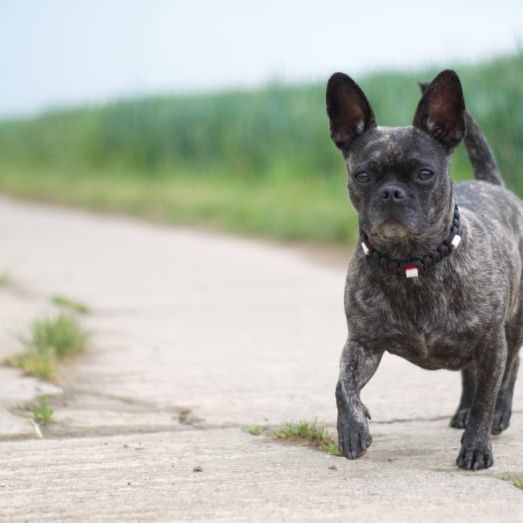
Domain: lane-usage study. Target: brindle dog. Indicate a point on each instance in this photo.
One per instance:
(437, 277)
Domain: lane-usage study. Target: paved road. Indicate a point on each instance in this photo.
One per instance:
(196, 335)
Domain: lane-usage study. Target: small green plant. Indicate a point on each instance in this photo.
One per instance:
(36, 362)
(254, 430)
(62, 333)
(67, 303)
(5, 279)
(42, 413)
(308, 433)
(515, 481)
(51, 339)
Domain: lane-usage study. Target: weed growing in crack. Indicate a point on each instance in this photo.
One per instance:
(40, 363)
(307, 433)
(51, 339)
(67, 303)
(254, 430)
(515, 481)
(62, 333)
(42, 413)
(5, 279)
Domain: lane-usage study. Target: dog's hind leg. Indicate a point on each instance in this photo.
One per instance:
(489, 362)
(468, 391)
(503, 409)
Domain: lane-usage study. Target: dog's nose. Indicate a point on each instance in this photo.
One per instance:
(393, 193)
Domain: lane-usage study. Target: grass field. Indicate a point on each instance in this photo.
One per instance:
(257, 162)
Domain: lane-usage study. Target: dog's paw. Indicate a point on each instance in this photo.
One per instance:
(475, 457)
(353, 438)
(460, 419)
(501, 420)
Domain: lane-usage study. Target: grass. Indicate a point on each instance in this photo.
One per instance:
(67, 303)
(515, 481)
(5, 279)
(42, 413)
(62, 333)
(256, 162)
(254, 430)
(40, 363)
(50, 340)
(307, 433)
(281, 208)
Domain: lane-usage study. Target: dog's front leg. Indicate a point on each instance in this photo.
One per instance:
(357, 366)
(476, 446)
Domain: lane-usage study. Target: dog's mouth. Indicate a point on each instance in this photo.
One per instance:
(390, 229)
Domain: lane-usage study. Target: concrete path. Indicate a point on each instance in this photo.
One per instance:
(194, 337)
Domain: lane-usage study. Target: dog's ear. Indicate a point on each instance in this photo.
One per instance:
(350, 113)
(441, 110)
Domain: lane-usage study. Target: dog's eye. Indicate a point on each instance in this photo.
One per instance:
(425, 174)
(362, 177)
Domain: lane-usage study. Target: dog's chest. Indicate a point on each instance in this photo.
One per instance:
(430, 348)
(426, 328)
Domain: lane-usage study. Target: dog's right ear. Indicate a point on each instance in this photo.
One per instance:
(349, 111)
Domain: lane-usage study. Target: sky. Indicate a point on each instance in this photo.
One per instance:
(56, 53)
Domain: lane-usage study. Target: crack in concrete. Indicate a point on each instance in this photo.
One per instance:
(183, 417)
(408, 420)
(76, 400)
(59, 430)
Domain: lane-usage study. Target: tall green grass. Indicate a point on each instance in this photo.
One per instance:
(253, 161)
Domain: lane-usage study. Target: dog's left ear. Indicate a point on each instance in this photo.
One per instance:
(441, 110)
(349, 111)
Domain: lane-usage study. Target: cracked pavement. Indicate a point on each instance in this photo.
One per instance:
(196, 335)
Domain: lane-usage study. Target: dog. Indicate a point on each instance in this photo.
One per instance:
(437, 275)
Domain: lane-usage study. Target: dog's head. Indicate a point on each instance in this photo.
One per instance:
(398, 176)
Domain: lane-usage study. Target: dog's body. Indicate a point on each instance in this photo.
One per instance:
(466, 310)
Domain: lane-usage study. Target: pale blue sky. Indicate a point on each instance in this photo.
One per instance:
(63, 52)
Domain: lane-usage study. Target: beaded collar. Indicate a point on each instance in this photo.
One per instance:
(414, 267)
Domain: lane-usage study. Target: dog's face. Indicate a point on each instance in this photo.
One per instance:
(398, 177)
